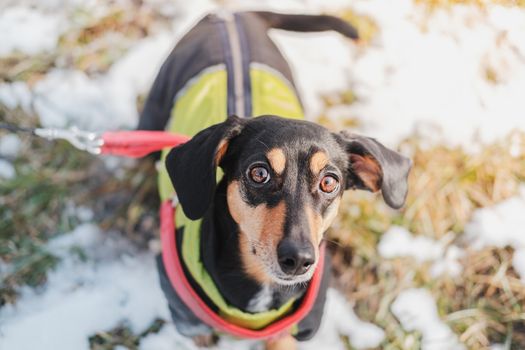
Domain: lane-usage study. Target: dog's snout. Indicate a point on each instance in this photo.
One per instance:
(295, 258)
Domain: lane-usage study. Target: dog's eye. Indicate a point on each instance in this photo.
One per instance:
(259, 175)
(328, 184)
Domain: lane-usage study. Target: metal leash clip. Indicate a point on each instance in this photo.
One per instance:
(82, 140)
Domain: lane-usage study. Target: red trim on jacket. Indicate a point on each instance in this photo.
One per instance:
(179, 281)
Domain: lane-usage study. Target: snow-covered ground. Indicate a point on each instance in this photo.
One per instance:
(416, 310)
(113, 284)
(422, 73)
(455, 76)
(28, 31)
(499, 225)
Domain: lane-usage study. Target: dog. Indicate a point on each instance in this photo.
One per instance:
(254, 227)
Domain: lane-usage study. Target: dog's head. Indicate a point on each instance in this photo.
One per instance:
(284, 181)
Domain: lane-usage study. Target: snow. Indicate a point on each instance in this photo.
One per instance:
(501, 225)
(332, 52)
(15, 95)
(420, 75)
(10, 146)
(518, 261)
(84, 214)
(449, 264)
(7, 170)
(339, 319)
(28, 31)
(432, 70)
(167, 339)
(498, 347)
(421, 72)
(398, 242)
(69, 97)
(116, 284)
(417, 311)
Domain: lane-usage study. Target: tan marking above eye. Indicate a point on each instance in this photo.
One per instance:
(259, 224)
(277, 160)
(318, 161)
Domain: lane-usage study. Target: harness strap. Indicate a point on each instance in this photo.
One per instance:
(189, 296)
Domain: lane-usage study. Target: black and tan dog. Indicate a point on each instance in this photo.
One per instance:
(262, 219)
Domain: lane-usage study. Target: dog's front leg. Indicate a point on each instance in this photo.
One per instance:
(285, 343)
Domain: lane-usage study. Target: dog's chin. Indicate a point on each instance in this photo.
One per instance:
(287, 280)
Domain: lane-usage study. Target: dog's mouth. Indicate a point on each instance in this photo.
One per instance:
(279, 277)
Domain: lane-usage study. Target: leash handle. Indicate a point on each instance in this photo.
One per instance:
(133, 144)
(82, 140)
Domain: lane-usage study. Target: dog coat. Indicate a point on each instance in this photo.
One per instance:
(243, 74)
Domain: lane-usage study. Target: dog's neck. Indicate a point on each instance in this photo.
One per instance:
(220, 253)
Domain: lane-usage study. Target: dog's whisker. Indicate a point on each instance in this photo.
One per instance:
(332, 241)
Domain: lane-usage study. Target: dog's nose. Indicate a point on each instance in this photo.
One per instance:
(295, 258)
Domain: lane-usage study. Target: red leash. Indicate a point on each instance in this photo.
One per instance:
(139, 143)
(132, 144)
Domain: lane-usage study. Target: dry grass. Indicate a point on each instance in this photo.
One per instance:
(447, 184)
(123, 337)
(98, 43)
(92, 45)
(485, 305)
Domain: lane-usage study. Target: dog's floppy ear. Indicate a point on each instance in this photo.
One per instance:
(192, 165)
(374, 167)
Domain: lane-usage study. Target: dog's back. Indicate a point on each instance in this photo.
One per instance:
(258, 78)
(228, 65)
